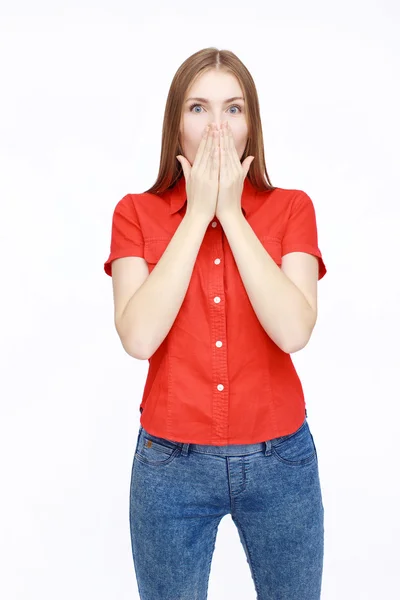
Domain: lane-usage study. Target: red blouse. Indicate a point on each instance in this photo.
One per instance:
(218, 378)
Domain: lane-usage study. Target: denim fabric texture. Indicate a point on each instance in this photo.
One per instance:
(179, 493)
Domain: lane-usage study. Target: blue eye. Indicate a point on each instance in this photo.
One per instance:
(193, 105)
(233, 106)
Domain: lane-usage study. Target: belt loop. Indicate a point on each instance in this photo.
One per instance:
(268, 450)
(185, 448)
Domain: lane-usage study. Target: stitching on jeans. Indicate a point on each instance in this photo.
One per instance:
(212, 552)
(247, 547)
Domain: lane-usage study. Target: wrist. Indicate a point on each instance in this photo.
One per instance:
(197, 217)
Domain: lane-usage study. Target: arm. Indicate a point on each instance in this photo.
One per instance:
(151, 311)
(280, 306)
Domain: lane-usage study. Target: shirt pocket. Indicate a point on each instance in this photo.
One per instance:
(273, 246)
(153, 250)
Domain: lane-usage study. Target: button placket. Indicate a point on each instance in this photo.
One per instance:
(218, 331)
(218, 343)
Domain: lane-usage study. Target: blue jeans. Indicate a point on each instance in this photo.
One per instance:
(179, 493)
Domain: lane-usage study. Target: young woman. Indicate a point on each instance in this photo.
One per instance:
(214, 275)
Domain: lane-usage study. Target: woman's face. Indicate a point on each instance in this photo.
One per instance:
(215, 87)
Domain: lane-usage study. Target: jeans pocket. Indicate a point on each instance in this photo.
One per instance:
(297, 448)
(154, 450)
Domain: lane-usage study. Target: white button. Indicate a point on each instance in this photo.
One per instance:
(217, 299)
(218, 344)
(214, 224)
(217, 261)
(220, 387)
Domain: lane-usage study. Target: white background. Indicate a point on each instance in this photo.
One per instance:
(84, 86)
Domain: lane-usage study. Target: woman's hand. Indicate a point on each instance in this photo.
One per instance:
(231, 176)
(202, 177)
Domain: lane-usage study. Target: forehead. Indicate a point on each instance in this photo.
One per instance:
(215, 86)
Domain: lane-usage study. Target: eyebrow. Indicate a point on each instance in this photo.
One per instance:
(205, 101)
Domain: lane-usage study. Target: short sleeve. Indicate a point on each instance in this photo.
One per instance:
(126, 234)
(301, 233)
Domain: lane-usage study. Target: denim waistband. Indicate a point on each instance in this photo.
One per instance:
(228, 450)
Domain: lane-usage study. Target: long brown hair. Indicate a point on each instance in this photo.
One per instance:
(170, 169)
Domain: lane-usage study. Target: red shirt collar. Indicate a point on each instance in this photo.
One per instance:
(177, 196)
